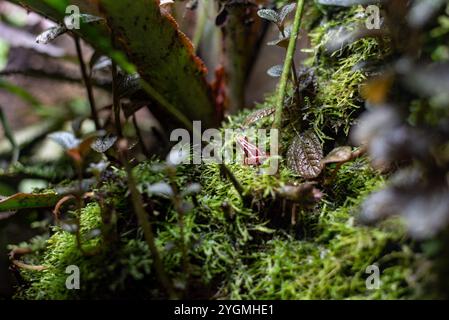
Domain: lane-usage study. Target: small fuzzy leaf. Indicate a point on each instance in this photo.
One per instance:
(269, 15)
(286, 10)
(67, 140)
(259, 114)
(305, 154)
(275, 71)
(103, 144)
(340, 154)
(51, 34)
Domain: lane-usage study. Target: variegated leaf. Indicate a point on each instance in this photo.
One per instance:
(259, 114)
(269, 14)
(305, 154)
(51, 34)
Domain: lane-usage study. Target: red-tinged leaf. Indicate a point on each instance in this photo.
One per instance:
(259, 114)
(305, 154)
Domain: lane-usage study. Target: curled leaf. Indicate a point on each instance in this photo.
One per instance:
(338, 155)
(305, 154)
(286, 10)
(51, 34)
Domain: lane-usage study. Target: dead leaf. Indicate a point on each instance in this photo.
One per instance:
(338, 155)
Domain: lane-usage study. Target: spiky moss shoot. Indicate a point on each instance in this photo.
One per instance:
(339, 74)
(232, 251)
(333, 264)
(104, 272)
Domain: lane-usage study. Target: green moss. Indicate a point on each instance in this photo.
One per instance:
(235, 250)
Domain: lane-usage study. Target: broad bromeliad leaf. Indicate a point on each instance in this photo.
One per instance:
(152, 41)
(305, 154)
(29, 201)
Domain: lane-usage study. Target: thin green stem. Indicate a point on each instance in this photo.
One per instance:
(145, 224)
(288, 64)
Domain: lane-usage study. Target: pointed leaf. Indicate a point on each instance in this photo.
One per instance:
(103, 144)
(286, 10)
(305, 154)
(275, 71)
(51, 34)
(269, 14)
(259, 114)
(340, 154)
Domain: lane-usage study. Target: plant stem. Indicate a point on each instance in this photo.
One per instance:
(140, 137)
(116, 100)
(288, 64)
(87, 83)
(143, 220)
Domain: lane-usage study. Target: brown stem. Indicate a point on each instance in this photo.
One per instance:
(140, 137)
(87, 83)
(145, 224)
(116, 100)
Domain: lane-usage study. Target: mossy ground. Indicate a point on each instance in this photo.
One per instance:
(236, 250)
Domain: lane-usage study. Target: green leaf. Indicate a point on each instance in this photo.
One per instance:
(164, 57)
(29, 201)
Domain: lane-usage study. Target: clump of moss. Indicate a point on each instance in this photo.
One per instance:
(234, 250)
